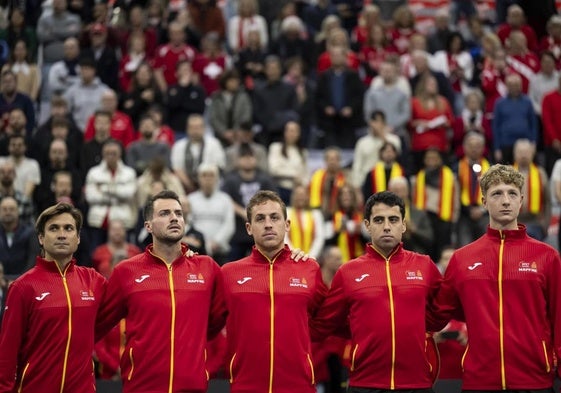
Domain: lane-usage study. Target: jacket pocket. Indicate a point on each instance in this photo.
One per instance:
(353, 358)
(546, 358)
(20, 387)
(231, 368)
(312, 372)
(129, 377)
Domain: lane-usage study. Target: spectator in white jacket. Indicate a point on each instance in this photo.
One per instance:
(188, 153)
(110, 193)
(212, 213)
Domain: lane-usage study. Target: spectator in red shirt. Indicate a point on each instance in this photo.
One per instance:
(552, 41)
(121, 124)
(337, 37)
(374, 52)
(132, 59)
(137, 25)
(551, 118)
(516, 21)
(168, 55)
(369, 17)
(431, 117)
(522, 61)
(210, 63)
(403, 29)
(493, 80)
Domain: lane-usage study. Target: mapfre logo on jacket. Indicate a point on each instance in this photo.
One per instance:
(195, 278)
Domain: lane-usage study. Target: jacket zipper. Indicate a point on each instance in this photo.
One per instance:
(69, 339)
(464, 357)
(353, 358)
(501, 310)
(232, 368)
(311, 368)
(272, 322)
(20, 388)
(172, 337)
(129, 377)
(547, 366)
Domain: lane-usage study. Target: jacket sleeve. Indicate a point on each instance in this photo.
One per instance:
(332, 315)
(433, 324)
(554, 303)
(446, 304)
(218, 312)
(14, 326)
(113, 306)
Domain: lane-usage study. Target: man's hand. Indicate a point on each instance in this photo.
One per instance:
(296, 254)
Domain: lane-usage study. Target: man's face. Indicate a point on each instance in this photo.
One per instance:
(58, 153)
(207, 182)
(109, 102)
(300, 198)
(272, 71)
(61, 237)
(387, 72)
(8, 84)
(332, 161)
(71, 49)
(7, 175)
(60, 132)
(195, 128)
(111, 154)
(385, 226)
(268, 226)
(17, 120)
(176, 36)
(102, 125)
(16, 148)
(432, 160)
(523, 154)
(87, 73)
(167, 224)
(388, 155)
(116, 232)
(473, 148)
(503, 202)
(401, 189)
(8, 211)
(62, 186)
(147, 127)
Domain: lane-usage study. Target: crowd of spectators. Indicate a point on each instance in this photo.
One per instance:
(103, 104)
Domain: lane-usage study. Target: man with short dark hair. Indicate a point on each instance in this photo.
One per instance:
(10, 98)
(171, 301)
(389, 350)
(50, 314)
(270, 298)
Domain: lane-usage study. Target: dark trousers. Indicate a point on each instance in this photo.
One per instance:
(368, 390)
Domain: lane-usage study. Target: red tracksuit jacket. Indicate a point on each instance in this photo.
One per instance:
(384, 301)
(269, 304)
(168, 312)
(47, 335)
(507, 286)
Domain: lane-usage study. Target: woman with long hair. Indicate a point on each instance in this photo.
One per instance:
(431, 117)
(28, 74)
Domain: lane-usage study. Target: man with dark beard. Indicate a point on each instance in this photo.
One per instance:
(171, 301)
(144, 150)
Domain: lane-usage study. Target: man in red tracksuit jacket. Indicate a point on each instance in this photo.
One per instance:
(171, 303)
(383, 296)
(47, 335)
(507, 288)
(270, 298)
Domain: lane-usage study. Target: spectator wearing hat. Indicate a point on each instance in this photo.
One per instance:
(107, 65)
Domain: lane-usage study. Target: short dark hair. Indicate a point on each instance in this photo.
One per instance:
(261, 197)
(387, 198)
(378, 114)
(149, 207)
(17, 135)
(60, 121)
(101, 112)
(386, 144)
(57, 210)
(226, 76)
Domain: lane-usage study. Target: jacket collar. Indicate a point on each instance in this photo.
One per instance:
(52, 267)
(374, 253)
(260, 257)
(519, 233)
